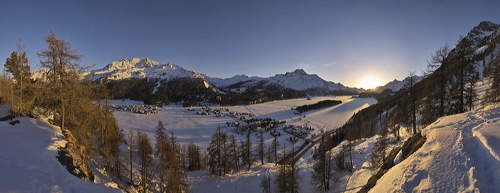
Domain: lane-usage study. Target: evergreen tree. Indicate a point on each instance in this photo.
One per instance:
(145, 153)
(73, 102)
(437, 78)
(234, 155)
(215, 153)
(492, 71)
(464, 71)
(287, 178)
(18, 65)
(62, 63)
(132, 141)
(109, 139)
(246, 150)
(378, 154)
(260, 148)
(176, 174)
(265, 183)
(193, 157)
(272, 151)
(162, 147)
(322, 168)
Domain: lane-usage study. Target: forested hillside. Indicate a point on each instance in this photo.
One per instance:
(448, 87)
(78, 107)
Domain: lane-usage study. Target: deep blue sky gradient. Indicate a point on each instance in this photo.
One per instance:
(339, 40)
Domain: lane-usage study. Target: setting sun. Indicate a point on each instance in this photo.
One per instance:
(370, 82)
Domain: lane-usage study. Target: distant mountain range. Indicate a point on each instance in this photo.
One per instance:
(396, 85)
(146, 68)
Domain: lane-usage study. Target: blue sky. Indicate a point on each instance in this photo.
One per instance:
(339, 40)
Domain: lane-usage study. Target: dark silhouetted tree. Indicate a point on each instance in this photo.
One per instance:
(145, 157)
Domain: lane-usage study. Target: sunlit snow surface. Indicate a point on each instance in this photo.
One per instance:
(462, 152)
(461, 155)
(28, 160)
(188, 126)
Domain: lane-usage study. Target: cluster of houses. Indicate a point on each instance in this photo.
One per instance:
(220, 112)
(265, 124)
(140, 109)
(298, 131)
(246, 121)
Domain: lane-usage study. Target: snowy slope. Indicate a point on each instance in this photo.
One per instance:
(462, 154)
(28, 160)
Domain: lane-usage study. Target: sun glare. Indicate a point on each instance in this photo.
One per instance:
(370, 82)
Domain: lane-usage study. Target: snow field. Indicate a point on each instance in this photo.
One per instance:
(460, 155)
(28, 160)
(188, 126)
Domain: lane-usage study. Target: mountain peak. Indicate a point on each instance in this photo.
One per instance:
(487, 25)
(296, 72)
(480, 33)
(141, 68)
(300, 71)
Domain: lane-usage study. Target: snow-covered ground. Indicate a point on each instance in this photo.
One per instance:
(28, 160)
(462, 154)
(188, 126)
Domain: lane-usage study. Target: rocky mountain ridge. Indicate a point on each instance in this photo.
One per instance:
(146, 68)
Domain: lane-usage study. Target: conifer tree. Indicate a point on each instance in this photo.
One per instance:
(260, 152)
(145, 153)
(176, 182)
(109, 139)
(193, 157)
(216, 152)
(18, 65)
(492, 71)
(162, 153)
(287, 178)
(322, 168)
(246, 150)
(63, 64)
(272, 151)
(131, 153)
(234, 154)
(265, 183)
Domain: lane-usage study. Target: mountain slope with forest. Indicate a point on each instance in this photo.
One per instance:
(153, 82)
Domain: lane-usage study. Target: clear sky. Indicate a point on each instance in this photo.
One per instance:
(339, 40)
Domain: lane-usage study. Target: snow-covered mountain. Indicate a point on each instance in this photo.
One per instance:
(146, 68)
(141, 68)
(297, 80)
(397, 85)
